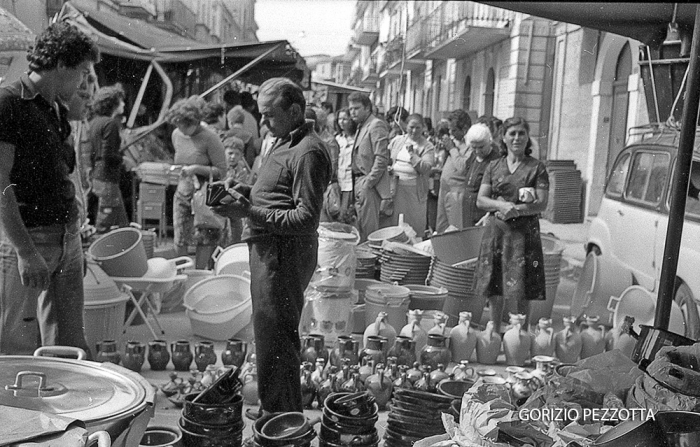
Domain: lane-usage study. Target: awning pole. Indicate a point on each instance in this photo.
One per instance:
(679, 188)
(139, 97)
(242, 70)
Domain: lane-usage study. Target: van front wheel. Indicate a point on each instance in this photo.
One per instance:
(684, 299)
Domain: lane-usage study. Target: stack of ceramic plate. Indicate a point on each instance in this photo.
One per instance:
(391, 234)
(366, 262)
(457, 279)
(403, 264)
(564, 204)
(414, 415)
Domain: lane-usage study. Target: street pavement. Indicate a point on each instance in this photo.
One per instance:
(176, 325)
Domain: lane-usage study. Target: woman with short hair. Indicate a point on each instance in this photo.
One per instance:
(201, 154)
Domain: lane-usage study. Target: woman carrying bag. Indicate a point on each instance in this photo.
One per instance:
(201, 154)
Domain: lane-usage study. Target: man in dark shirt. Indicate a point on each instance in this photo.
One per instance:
(283, 210)
(40, 247)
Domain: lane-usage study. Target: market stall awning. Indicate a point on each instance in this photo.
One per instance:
(127, 37)
(645, 22)
(334, 87)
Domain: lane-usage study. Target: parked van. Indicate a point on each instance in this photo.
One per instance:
(633, 217)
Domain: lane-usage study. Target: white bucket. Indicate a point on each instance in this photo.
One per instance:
(232, 260)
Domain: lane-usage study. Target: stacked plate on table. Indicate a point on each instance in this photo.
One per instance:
(564, 204)
(349, 419)
(458, 279)
(391, 234)
(366, 262)
(403, 264)
(414, 415)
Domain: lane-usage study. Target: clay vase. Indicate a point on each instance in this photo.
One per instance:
(488, 345)
(375, 348)
(327, 387)
(181, 355)
(424, 383)
(134, 355)
(435, 352)
(318, 375)
(543, 369)
(250, 387)
(567, 342)
(516, 344)
(543, 342)
(107, 352)
(346, 348)
(158, 355)
(403, 350)
(439, 374)
(440, 326)
(380, 386)
(308, 387)
(353, 385)
(522, 388)
(592, 338)
(403, 382)
(462, 338)
(204, 355)
(235, 352)
(414, 331)
(313, 347)
(382, 328)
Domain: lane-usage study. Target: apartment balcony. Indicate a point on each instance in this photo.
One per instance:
(395, 56)
(457, 29)
(370, 75)
(366, 30)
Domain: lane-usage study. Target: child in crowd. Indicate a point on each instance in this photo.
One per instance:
(238, 170)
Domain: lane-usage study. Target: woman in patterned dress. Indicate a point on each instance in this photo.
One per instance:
(514, 190)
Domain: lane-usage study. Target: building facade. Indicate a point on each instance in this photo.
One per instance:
(580, 89)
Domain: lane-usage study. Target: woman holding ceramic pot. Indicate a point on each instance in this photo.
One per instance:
(201, 154)
(514, 190)
(412, 158)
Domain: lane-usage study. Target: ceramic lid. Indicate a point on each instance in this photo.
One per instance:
(83, 390)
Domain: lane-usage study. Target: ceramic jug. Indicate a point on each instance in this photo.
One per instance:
(312, 347)
(327, 387)
(380, 386)
(414, 331)
(403, 350)
(488, 345)
(512, 371)
(435, 352)
(250, 387)
(382, 328)
(158, 355)
(134, 355)
(414, 374)
(308, 387)
(439, 374)
(522, 388)
(204, 355)
(567, 342)
(424, 383)
(318, 375)
(463, 371)
(353, 385)
(516, 343)
(440, 326)
(346, 348)
(403, 382)
(107, 352)
(544, 366)
(375, 348)
(235, 352)
(462, 338)
(367, 368)
(543, 342)
(181, 355)
(592, 338)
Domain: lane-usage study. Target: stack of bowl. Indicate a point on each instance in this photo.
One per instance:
(415, 415)
(212, 424)
(403, 264)
(366, 262)
(290, 429)
(391, 234)
(458, 279)
(349, 419)
(455, 389)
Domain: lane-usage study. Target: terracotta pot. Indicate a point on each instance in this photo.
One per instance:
(158, 355)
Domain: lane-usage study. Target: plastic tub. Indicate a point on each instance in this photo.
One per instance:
(219, 307)
(104, 320)
(361, 286)
(121, 253)
(173, 300)
(233, 260)
(426, 297)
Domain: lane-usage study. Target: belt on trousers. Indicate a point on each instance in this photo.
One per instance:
(50, 234)
(356, 175)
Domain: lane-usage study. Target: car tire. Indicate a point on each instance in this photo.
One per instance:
(684, 299)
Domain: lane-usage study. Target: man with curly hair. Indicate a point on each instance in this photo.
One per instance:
(106, 161)
(40, 246)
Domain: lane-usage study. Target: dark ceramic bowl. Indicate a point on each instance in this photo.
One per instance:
(161, 435)
(324, 443)
(412, 420)
(632, 433)
(350, 404)
(413, 430)
(418, 402)
(411, 407)
(681, 427)
(426, 416)
(216, 431)
(397, 438)
(456, 408)
(191, 439)
(335, 436)
(351, 429)
(454, 389)
(223, 390)
(213, 414)
(359, 421)
(427, 398)
(285, 425)
(296, 440)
